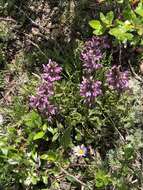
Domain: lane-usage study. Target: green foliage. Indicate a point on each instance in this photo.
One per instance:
(125, 25)
(36, 154)
(34, 150)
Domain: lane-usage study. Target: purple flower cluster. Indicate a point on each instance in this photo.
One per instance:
(118, 80)
(91, 57)
(93, 53)
(90, 89)
(41, 101)
(52, 72)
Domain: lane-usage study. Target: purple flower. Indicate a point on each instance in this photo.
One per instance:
(90, 89)
(41, 100)
(46, 88)
(52, 71)
(93, 53)
(118, 80)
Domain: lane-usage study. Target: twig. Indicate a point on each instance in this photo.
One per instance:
(75, 178)
(36, 45)
(134, 73)
(7, 19)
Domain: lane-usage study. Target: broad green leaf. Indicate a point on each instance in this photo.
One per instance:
(107, 19)
(103, 18)
(139, 9)
(127, 26)
(110, 17)
(121, 34)
(96, 25)
(38, 135)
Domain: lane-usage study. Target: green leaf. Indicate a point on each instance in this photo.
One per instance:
(103, 18)
(108, 19)
(102, 179)
(4, 150)
(38, 135)
(129, 14)
(139, 9)
(45, 179)
(32, 120)
(44, 127)
(70, 178)
(34, 180)
(121, 34)
(50, 156)
(95, 24)
(66, 138)
(44, 157)
(55, 137)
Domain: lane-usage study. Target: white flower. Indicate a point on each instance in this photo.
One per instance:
(80, 150)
